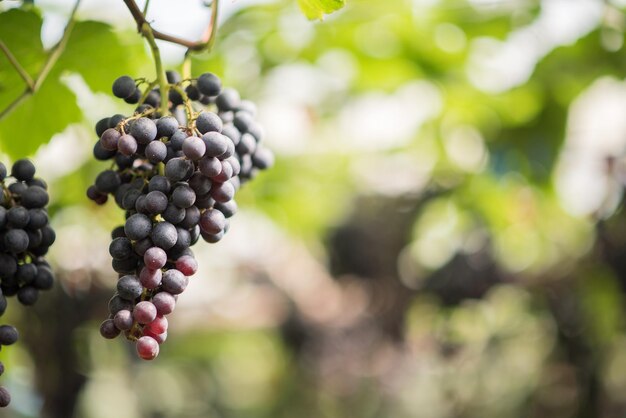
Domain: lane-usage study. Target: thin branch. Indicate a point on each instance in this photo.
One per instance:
(145, 8)
(146, 31)
(15, 103)
(212, 29)
(207, 39)
(140, 19)
(53, 57)
(21, 71)
(58, 48)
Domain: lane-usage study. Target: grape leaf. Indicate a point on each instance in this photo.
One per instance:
(38, 116)
(99, 56)
(316, 9)
(93, 50)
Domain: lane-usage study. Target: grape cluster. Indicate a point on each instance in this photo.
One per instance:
(175, 175)
(25, 236)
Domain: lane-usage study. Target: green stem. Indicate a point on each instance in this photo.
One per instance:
(145, 8)
(187, 102)
(15, 63)
(146, 31)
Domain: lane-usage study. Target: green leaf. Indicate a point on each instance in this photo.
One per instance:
(38, 118)
(46, 112)
(100, 56)
(93, 50)
(316, 9)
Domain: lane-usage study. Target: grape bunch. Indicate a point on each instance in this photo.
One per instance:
(175, 175)
(25, 236)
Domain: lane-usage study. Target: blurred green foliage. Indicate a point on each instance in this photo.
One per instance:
(496, 300)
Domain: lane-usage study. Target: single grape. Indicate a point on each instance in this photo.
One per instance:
(109, 139)
(183, 196)
(177, 169)
(123, 320)
(223, 192)
(193, 148)
(144, 312)
(159, 183)
(101, 126)
(8, 335)
(5, 397)
(247, 144)
(263, 158)
(192, 92)
(158, 326)
(166, 126)
(127, 144)
(231, 132)
(209, 84)
(18, 217)
(209, 122)
(164, 302)
(192, 217)
(16, 240)
(155, 258)
(210, 166)
(144, 130)
(156, 202)
(138, 226)
(173, 214)
(228, 99)
(134, 97)
(164, 235)
(156, 151)
(23, 170)
(187, 265)
(215, 143)
(108, 329)
(129, 287)
(108, 181)
(173, 77)
(150, 279)
(212, 221)
(27, 295)
(35, 197)
(44, 279)
(227, 208)
(147, 348)
(174, 282)
(123, 87)
(200, 183)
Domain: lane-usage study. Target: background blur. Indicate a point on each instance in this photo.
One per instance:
(442, 235)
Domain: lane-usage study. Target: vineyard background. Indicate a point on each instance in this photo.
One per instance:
(442, 235)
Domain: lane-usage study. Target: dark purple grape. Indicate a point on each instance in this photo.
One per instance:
(210, 166)
(144, 130)
(212, 221)
(174, 282)
(127, 145)
(155, 258)
(193, 148)
(124, 87)
(209, 84)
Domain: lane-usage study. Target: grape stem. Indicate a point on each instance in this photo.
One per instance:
(203, 44)
(147, 32)
(33, 85)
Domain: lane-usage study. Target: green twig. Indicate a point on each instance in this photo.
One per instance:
(15, 63)
(145, 8)
(146, 31)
